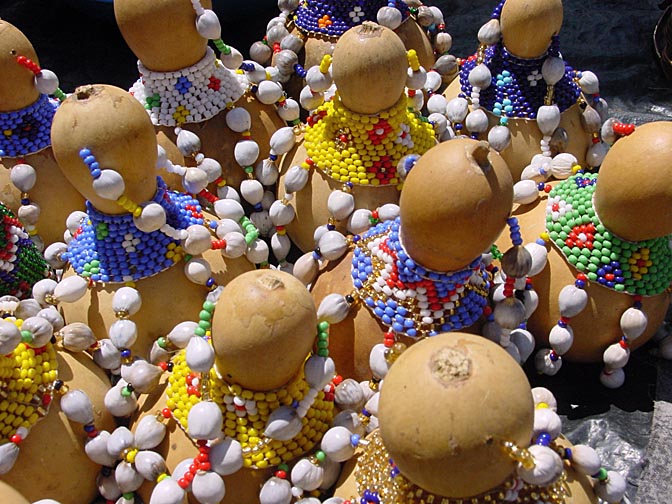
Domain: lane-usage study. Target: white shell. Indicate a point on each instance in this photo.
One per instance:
(457, 109)
(543, 395)
(142, 375)
(149, 464)
(295, 179)
(26, 307)
(9, 452)
(306, 268)
(151, 219)
(200, 355)
(614, 488)
(182, 333)
(120, 439)
(336, 444)
(229, 209)
(524, 341)
(266, 172)
(29, 214)
(289, 110)
(126, 299)
(205, 420)
(208, 487)
(490, 32)
(591, 120)
(77, 337)
(23, 176)
(198, 270)
(525, 192)
(477, 121)
(40, 329)
(275, 491)
(434, 81)
(194, 180)
(377, 361)
(212, 169)
(358, 222)
(10, 337)
(547, 420)
(319, 371)
(281, 214)
(228, 192)
(443, 42)
(436, 104)
(633, 323)
(77, 407)
(127, 478)
(70, 289)
(123, 333)
(167, 491)
(246, 152)
(208, 26)
(239, 120)
(283, 424)
(372, 404)
(269, 92)
(257, 252)
(585, 459)
(109, 185)
(615, 356)
(282, 140)
(572, 301)
(107, 355)
(107, 486)
(235, 245)
(333, 309)
(197, 240)
(589, 83)
(187, 142)
(53, 254)
(539, 257)
(74, 220)
(388, 211)
(226, 456)
(149, 432)
(306, 475)
(561, 339)
(46, 82)
(252, 191)
(233, 60)
(548, 119)
(439, 121)
(43, 288)
(416, 80)
(281, 245)
(562, 164)
(612, 379)
(509, 313)
(310, 100)
(480, 76)
(96, 450)
(390, 17)
(547, 466)
(552, 70)
(499, 138)
(333, 245)
(531, 302)
(492, 331)
(340, 204)
(119, 405)
(349, 395)
(596, 153)
(331, 471)
(544, 364)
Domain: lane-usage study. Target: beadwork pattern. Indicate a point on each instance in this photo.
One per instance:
(575, 229)
(246, 413)
(518, 89)
(378, 477)
(110, 248)
(334, 18)
(406, 297)
(21, 264)
(365, 149)
(190, 95)
(28, 130)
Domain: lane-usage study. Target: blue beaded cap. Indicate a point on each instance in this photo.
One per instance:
(110, 248)
(394, 287)
(28, 130)
(342, 14)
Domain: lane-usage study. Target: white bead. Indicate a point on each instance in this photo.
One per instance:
(612, 378)
(572, 301)
(480, 76)
(198, 240)
(282, 141)
(613, 489)
(269, 92)
(127, 478)
(275, 491)
(548, 119)
(208, 487)
(525, 192)
(96, 450)
(544, 364)
(10, 337)
(120, 439)
(239, 120)
(319, 371)
(333, 309)
(615, 356)
(208, 26)
(107, 355)
(561, 339)
(333, 245)
(167, 491)
(633, 323)
(336, 444)
(149, 432)
(390, 17)
(283, 424)
(585, 459)
(126, 299)
(119, 405)
(377, 361)
(281, 214)
(281, 245)
(490, 32)
(547, 466)
(123, 333)
(194, 180)
(77, 407)
(257, 252)
(340, 204)
(205, 420)
(142, 375)
(477, 121)
(236, 245)
(150, 465)
(306, 268)
(9, 452)
(589, 83)
(499, 138)
(562, 164)
(46, 82)
(109, 185)
(307, 475)
(552, 70)
(524, 341)
(182, 333)
(457, 109)
(23, 176)
(246, 152)
(226, 456)
(200, 355)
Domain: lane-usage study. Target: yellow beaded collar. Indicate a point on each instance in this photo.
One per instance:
(246, 413)
(364, 149)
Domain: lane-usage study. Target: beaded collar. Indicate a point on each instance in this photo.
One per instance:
(110, 248)
(28, 130)
(333, 19)
(573, 226)
(245, 413)
(379, 480)
(190, 95)
(21, 264)
(364, 149)
(519, 89)
(406, 297)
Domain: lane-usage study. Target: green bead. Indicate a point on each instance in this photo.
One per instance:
(592, 276)
(580, 266)
(323, 352)
(322, 344)
(162, 342)
(323, 326)
(283, 467)
(204, 324)
(199, 331)
(572, 259)
(323, 335)
(128, 495)
(125, 392)
(566, 250)
(619, 287)
(204, 315)
(593, 267)
(249, 169)
(583, 259)
(209, 305)
(602, 474)
(95, 263)
(320, 455)
(26, 336)
(595, 260)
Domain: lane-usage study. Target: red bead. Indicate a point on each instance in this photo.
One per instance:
(183, 482)
(93, 434)
(581, 276)
(189, 476)
(194, 467)
(547, 188)
(624, 344)
(166, 413)
(337, 379)
(163, 366)
(280, 474)
(202, 457)
(16, 439)
(205, 466)
(565, 320)
(46, 400)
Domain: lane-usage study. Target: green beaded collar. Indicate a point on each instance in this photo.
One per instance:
(573, 226)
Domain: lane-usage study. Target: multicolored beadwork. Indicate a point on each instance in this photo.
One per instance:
(364, 149)
(333, 19)
(110, 248)
(575, 229)
(21, 264)
(190, 95)
(406, 297)
(27, 131)
(246, 413)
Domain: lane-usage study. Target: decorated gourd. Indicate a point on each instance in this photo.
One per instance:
(519, 93)
(413, 275)
(135, 232)
(353, 142)
(28, 170)
(459, 423)
(258, 402)
(604, 240)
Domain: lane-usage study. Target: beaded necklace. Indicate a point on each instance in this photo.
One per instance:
(110, 248)
(246, 413)
(406, 297)
(333, 19)
(27, 131)
(189, 95)
(573, 226)
(364, 149)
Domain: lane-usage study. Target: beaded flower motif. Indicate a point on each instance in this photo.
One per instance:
(26, 131)
(575, 229)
